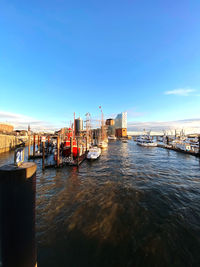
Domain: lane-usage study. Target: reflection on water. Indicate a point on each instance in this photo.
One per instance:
(132, 207)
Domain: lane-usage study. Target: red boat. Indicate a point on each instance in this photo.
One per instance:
(66, 144)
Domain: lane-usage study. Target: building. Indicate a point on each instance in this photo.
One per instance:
(78, 125)
(110, 127)
(121, 125)
(6, 128)
(110, 122)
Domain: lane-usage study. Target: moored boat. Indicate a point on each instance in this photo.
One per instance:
(94, 153)
(112, 138)
(103, 144)
(146, 141)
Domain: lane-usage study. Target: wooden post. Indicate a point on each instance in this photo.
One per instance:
(86, 145)
(29, 146)
(48, 143)
(17, 213)
(199, 144)
(167, 138)
(38, 142)
(43, 155)
(34, 145)
(71, 146)
(58, 151)
(77, 151)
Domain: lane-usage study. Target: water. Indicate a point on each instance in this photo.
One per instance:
(134, 206)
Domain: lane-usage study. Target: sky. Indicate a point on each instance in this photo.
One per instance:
(60, 57)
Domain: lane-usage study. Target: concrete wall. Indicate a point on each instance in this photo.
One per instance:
(8, 142)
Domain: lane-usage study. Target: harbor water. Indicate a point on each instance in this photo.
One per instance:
(134, 206)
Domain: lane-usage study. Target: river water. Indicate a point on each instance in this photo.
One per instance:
(134, 206)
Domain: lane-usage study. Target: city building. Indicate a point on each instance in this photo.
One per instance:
(6, 128)
(121, 125)
(110, 122)
(110, 127)
(78, 125)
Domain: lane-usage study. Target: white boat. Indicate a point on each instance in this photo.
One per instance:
(94, 153)
(146, 141)
(103, 144)
(112, 138)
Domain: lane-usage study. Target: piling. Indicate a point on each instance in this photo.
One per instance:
(77, 152)
(58, 151)
(43, 155)
(29, 146)
(38, 143)
(34, 145)
(167, 138)
(199, 144)
(48, 143)
(86, 145)
(17, 213)
(71, 146)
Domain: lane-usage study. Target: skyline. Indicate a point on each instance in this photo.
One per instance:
(60, 57)
(21, 122)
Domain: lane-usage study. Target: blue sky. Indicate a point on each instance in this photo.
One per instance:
(140, 56)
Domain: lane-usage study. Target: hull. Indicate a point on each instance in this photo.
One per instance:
(112, 138)
(147, 144)
(94, 153)
(67, 149)
(103, 145)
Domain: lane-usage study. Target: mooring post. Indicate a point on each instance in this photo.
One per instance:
(167, 138)
(48, 143)
(34, 145)
(58, 151)
(29, 146)
(71, 146)
(38, 142)
(17, 213)
(77, 152)
(43, 155)
(199, 144)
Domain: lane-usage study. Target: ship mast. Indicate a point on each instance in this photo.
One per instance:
(74, 126)
(88, 124)
(102, 125)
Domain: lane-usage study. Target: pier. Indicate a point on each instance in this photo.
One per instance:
(170, 147)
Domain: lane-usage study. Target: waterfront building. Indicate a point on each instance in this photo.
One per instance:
(6, 128)
(78, 125)
(121, 125)
(110, 122)
(110, 127)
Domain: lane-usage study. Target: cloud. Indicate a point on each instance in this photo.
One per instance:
(181, 92)
(189, 125)
(20, 121)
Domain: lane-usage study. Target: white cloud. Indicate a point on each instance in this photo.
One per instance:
(181, 92)
(20, 121)
(189, 126)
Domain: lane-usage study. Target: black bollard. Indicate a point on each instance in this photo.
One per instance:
(17, 213)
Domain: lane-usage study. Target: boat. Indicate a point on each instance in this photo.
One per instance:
(146, 141)
(112, 138)
(103, 144)
(94, 153)
(124, 141)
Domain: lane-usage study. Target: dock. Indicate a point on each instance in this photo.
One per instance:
(170, 147)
